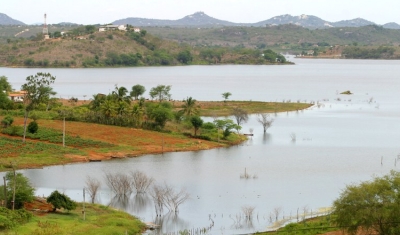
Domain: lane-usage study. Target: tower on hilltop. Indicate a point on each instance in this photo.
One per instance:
(45, 29)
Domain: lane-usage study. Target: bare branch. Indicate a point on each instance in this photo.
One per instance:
(265, 121)
(92, 186)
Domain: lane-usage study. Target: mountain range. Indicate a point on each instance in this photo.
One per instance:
(200, 19)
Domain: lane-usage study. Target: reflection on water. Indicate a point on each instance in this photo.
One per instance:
(266, 138)
(341, 140)
(141, 202)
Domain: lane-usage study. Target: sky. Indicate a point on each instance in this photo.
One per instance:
(238, 11)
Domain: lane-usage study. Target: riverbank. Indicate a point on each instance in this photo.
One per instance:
(90, 142)
(98, 219)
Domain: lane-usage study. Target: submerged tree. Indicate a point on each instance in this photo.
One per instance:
(92, 186)
(265, 121)
(240, 115)
(140, 181)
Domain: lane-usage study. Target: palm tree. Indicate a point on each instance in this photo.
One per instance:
(108, 108)
(96, 101)
(189, 107)
(120, 94)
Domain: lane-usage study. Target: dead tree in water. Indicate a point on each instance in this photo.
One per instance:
(140, 181)
(92, 186)
(120, 184)
(166, 196)
(265, 121)
(248, 211)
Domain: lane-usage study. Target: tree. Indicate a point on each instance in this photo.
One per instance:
(161, 115)
(197, 122)
(120, 94)
(185, 57)
(38, 90)
(33, 127)
(141, 181)
(60, 200)
(373, 206)
(92, 186)
(5, 88)
(161, 92)
(265, 121)
(189, 107)
(240, 115)
(24, 192)
(5, 85)
(137, 90)
(226, 125)
(7, 121)
(226, 95)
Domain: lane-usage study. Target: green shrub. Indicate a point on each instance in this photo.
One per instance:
(33, 127)
(7, 121)
(13, 130)
(5, 223)
(60, 200)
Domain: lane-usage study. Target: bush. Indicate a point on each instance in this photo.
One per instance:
(13, 130)
(7, 121)
(60, 200)
(10, 219)
(33, 127)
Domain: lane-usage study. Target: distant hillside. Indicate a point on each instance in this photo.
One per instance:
(87, 47)
(6, 20)
(201, 19)
(391, 25)
(197, 19)
(303, 20)
(283, 38)
(358, 22)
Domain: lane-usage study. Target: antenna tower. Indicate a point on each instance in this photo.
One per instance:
(45, 29)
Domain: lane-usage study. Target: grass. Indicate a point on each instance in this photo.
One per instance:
(89, 141)
(99, 220)
(314, 226)
(210, 109)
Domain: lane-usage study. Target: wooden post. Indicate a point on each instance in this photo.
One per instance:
(64, 131)
(162, 147)
(5, 191)
(14, 188)
(83, 211)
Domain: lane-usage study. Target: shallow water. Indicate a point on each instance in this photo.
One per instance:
(342, 140)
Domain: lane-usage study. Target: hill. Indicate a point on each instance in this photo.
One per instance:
(6, 20)
(201, 19)
(196, 19)
(283, 38)
(87, 47)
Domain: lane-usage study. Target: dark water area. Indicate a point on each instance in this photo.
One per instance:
(342, 139)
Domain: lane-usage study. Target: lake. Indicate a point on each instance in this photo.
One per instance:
(342, 139)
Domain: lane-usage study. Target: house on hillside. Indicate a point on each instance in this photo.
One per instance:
(112, 27)
(17, 96)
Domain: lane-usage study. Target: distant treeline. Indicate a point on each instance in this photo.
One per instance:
(382, 52)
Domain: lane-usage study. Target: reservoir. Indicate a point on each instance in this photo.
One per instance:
(340, 140)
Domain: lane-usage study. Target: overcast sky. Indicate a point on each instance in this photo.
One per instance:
(239, 11)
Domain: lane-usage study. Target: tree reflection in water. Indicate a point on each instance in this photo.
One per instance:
(140, 202)
(170, 222)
